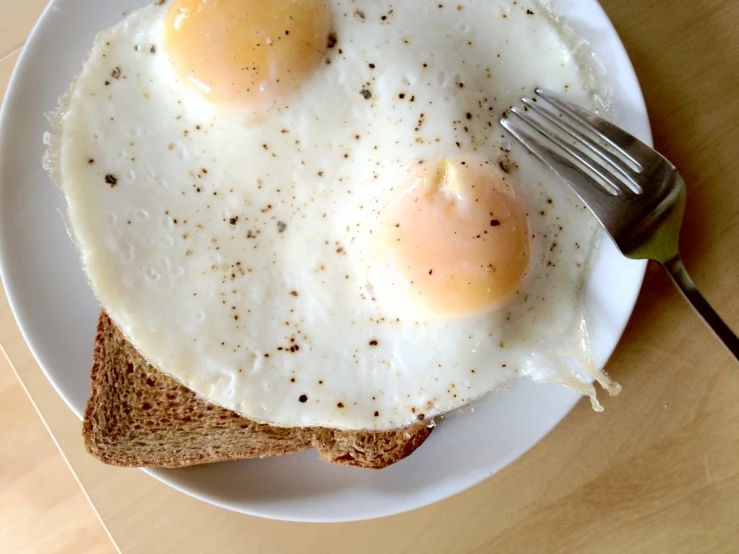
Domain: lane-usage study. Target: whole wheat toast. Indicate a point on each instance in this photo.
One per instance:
(139, 417)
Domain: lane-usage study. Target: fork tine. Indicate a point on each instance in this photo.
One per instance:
(580, 156)
(597, 198)
(560, 122)
(627, 145)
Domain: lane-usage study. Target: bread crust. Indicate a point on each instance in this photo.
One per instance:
(139, 417)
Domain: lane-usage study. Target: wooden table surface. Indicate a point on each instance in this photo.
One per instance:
(657, 472)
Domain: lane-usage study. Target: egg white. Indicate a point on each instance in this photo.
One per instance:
(227, 247)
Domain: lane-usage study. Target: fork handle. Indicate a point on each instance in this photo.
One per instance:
(690, 292)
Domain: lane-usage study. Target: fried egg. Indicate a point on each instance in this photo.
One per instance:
(307, 212)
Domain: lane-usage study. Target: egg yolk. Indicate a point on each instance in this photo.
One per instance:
(246, 53)
(456, 237)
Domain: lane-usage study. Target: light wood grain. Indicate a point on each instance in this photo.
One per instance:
(18, 18)
(657, 472)
(42, 508)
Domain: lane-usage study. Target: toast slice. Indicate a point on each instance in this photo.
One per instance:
(139, 417)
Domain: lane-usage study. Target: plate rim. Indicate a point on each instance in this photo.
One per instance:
(13, 90)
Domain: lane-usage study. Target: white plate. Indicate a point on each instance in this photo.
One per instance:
(57, 312)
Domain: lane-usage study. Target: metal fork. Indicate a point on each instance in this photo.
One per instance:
(635, 193)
